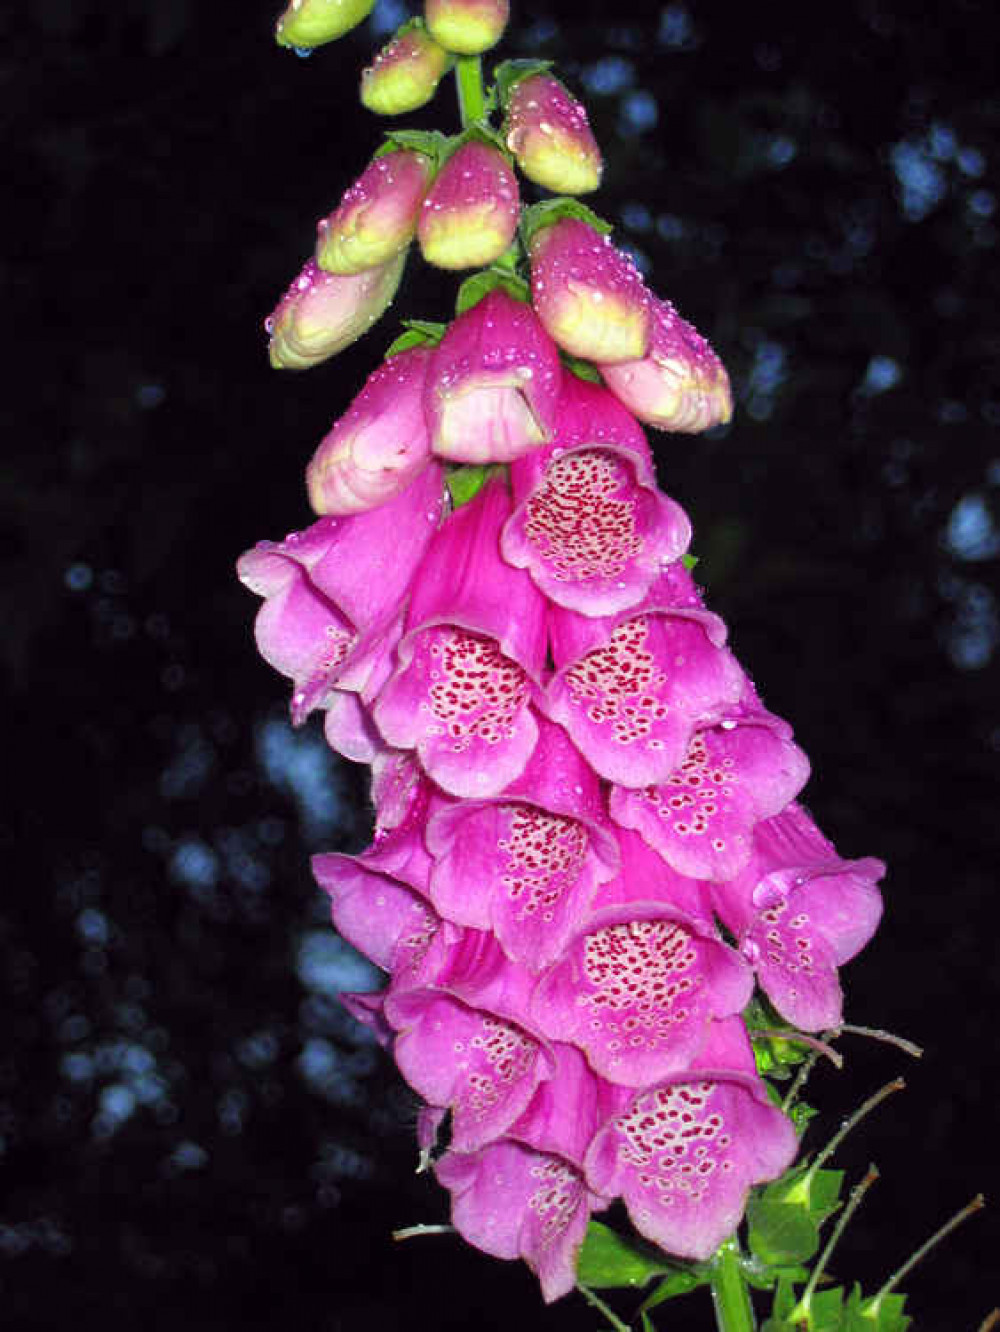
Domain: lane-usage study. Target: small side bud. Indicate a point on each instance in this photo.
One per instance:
(469, 217)
(589, 296)
(405, 73)
(308, 23)
(467, 27)
(377, 217)
(680, 385)
(322, 313)
(550, 136)
(379, 446)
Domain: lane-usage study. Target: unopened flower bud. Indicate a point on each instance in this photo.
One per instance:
(467, 27)
(589, 296)
(680, 385)
(405, 73)
(309, 23)
(379, 445)
(549, 134)
(322, 313)
(470, 214)
(493, 384)
(377, 217)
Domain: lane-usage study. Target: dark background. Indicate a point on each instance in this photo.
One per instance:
(192, 1134)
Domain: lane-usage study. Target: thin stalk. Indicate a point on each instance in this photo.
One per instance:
(896, 1085)
(471, 93)
(594, 1300)
(730, 1293)
(853, 1203)
(977, 1204)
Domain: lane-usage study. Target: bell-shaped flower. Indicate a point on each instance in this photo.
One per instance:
(642, 980)
(332, 593)
(526, 865)
(470, 214)
(632, 689)
(405, 73)
(467, 27)
(305, 24)
(589, 523)
(322, 313)
(380, 445)
(799, 912)
(684, 1154)
(472, 657)
(680, 384)
(549, 134)
(377, 217)
(568, 1108)
(735, 773)
(493, 384)
(589, 295)
(397, 780)
(512, 1202)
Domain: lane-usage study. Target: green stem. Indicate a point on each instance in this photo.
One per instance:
(730, 1294)
(471, 93)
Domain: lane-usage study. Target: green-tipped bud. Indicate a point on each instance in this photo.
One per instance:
(405, 73)
(469, 217)
(322, 313)
(467, 27)
(549, 134)
(309, 23)
(377, 217)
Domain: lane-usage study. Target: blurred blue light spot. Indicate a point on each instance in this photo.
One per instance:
(117, 1103)
(77, 1067)
(983, 203)
(921, 182)
(971, 533)
(636, 217)
(78, 577)
(148, 396)
(301, 764)
(676, 29)
(195, 864)
(387, 16)
(327, 964)
(971, 162)
(188, 1155)
(941, 142)
(92, 926)
(610, 74)
(781, 150)
(639, 113)
(882, 373)
(972, 636)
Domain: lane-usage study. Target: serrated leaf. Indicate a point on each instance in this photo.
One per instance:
(884, 1314)
(511, 72)
(677, 1283)
(800, 1114)
(550, 211)
(474, 288)
(607, 1259)
(781, 1233)
(826, 1310)
(762, 1276)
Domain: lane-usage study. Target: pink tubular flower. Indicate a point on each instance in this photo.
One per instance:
(333, 592)
(526, 865)
(493, 384)
(742, 770)
(631, 689)
(640, 984)
(470, 214)
(686, 1151)
(680, 384)
(550, 136)
(467, 27)
(514, 1202)
(381, 444)
(471, 660)
(589, 523)
(309, 23)
(322, 313)
(799, 912)
(377, 217)
(405, 73)
(589, 296)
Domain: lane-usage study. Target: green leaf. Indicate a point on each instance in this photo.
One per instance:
(511, 72)
(882, 1314)
(689, 561)
(474, 288)
(432, 143)
(781, 1233)
(549, 211)
(826, 1311)
(678, 1283)
(608, 1259)
(419, 333)
(582, 369)
(464, 484)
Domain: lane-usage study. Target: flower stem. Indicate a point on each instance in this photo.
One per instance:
(596, 1302)
(471, 93)
(730, 1295)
